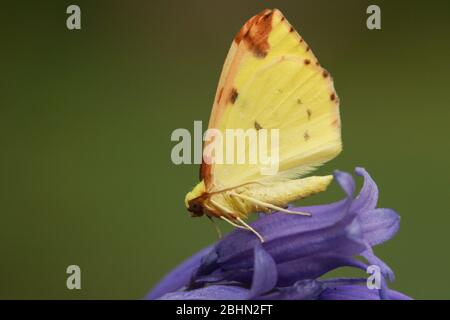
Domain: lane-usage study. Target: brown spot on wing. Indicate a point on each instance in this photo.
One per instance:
(307, 61)
(306, 135)
(309, 113)
(255, 33)
(233, 96)
(333, 96)
(325, 74)
(258, 126)
(299, 101)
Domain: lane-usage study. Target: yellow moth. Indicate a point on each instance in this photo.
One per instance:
(270, 79)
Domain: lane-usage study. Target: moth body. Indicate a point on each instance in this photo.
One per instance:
(241, 201)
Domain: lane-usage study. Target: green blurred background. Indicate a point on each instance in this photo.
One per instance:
(86, 117)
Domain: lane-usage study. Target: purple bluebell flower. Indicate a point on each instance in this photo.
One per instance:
(296, 253)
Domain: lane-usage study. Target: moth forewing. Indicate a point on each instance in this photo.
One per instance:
(270, 80)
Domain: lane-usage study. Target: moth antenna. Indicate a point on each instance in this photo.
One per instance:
(240, 185)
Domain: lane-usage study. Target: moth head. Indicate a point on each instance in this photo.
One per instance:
(194, 200)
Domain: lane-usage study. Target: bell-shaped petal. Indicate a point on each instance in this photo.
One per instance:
(297, 251)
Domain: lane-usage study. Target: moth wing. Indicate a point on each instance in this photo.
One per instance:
(272, 80)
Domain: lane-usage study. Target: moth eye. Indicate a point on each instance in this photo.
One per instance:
(195, 208)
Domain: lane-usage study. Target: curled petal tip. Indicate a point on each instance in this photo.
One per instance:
(346, 182)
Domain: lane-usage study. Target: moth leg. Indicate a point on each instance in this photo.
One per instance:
(232, 223)
(268, 205)
(219, 232)
(249, 228)
(244, 226)
(224, 209)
